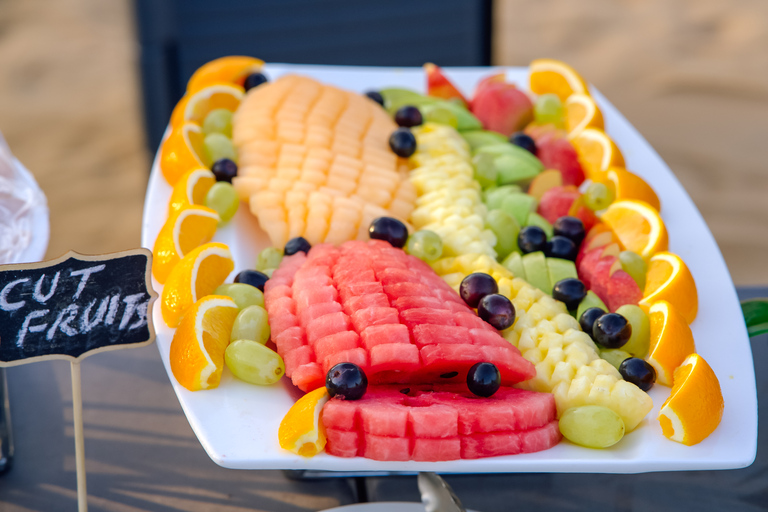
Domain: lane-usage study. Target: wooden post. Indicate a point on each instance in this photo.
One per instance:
(77, 411)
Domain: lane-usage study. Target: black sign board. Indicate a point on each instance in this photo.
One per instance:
(75, 305)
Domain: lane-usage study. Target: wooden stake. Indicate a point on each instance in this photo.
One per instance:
(77, 411)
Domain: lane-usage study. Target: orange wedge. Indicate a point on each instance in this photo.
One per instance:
(301, 430)
(626, 185)
(668, 278)
(671, 340)
(191, 189)
(581, 112)
(198, 274)
(556, 77)
(597, 152)
(184, 230)
(193, 107)
(695, 405)
(182, 151)
(198, 345)
(233, 69)
(638, 226)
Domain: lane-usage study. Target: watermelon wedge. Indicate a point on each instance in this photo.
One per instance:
(371, 304)
(423, 423)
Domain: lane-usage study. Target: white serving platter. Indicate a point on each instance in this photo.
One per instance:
(237, 423)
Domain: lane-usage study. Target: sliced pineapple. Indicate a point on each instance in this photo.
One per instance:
(449, 200)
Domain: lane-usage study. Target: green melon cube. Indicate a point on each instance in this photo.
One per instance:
(536, 271)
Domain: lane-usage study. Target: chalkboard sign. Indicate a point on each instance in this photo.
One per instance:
(75, 305)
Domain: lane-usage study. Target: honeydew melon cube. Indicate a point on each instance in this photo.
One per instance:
(560, 269)
(536, 271)
(534, 219)
(590, 301)
(519, 206)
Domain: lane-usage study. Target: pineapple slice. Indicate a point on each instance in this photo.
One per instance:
(449, 200)
(566, 359)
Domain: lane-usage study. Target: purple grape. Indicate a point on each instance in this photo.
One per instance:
(347, 381)
(612, 330)
(571, 291)
(571, 228)
(638, 372)
(224, 170)
(588, 318)
(531, 239)
(483, 379)
(402, 142)
(476, 286)
(253, 80)
(524, 141)
(253, 278)
(408, 116)
(390, 230)
(497, 310)
(376, 96)
(295, 245)
(561, 247)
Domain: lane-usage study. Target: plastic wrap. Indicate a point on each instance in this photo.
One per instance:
(20, 197)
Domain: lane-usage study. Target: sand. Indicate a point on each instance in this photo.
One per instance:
(692, 76)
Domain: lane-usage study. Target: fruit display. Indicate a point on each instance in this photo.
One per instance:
(447, 276)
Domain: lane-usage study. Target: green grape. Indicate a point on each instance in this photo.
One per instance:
(593, 426)
(640, 340)
(218, 146)
(439, 114)
(223, 198)
(243, 294)
(615, 356)
(252, 323)
(548, 109)
(485, 169)
(254, 363)
(634, 265)
(598, 196)
(425, 245)
(269, 271)
(218, 121)
(506, 229)
(269, 258)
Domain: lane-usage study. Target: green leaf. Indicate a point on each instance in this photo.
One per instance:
(756, 316)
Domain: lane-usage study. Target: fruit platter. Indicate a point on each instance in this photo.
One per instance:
(451, 270)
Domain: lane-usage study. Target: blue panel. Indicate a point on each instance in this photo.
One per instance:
(183, 35)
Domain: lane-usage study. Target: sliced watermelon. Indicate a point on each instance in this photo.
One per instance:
(425, 423)
(384, 310)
